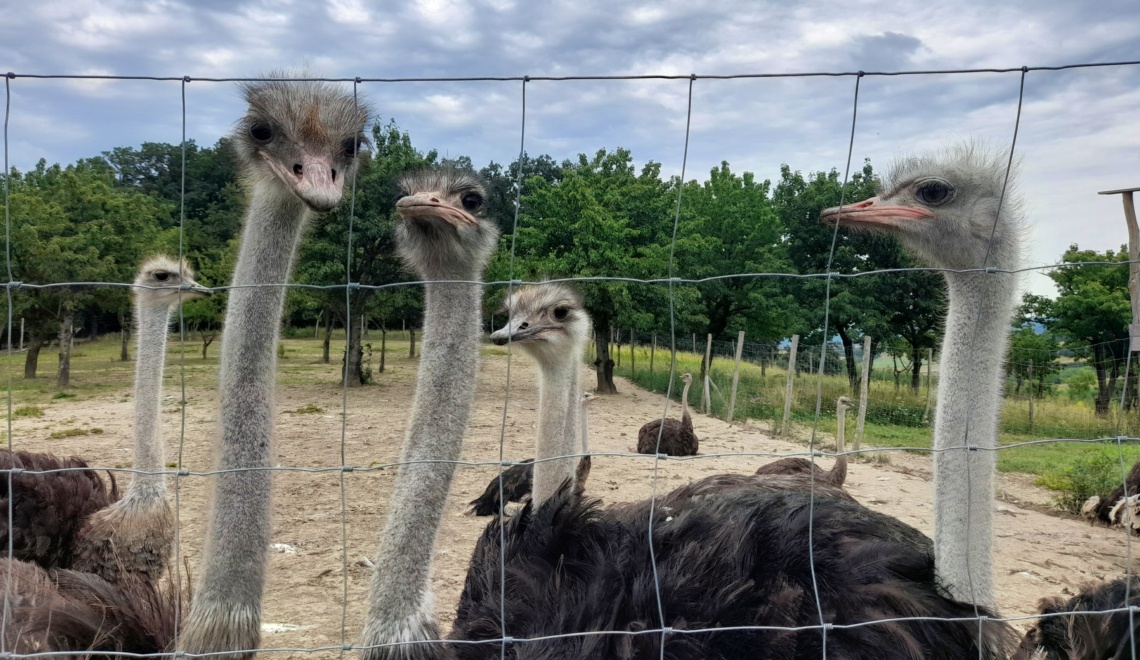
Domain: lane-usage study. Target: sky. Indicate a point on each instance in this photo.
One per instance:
(1079, 130)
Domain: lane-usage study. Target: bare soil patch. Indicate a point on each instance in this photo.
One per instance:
(1039, 553)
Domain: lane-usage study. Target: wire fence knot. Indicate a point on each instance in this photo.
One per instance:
(972, 448)
(346, 647)
(185, 79)
(661, 456)
(15, 472)
(15, 284)
(183, 473)
(353, 286)
(1122, 438)
(507, 639)
(347, 468)
(11, 76)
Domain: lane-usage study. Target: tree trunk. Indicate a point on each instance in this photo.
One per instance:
(603, 364)
(125, 340)
(915, 369)
(848, 357)
(412, 343)
(32, 359)
(328, 338)
(383, 346)
(1104, 391)
(354, 355)
(66, 334)
(206, 341)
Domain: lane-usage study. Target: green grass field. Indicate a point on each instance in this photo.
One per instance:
(898, 418)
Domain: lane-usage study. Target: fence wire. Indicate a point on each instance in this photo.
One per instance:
(760, 352)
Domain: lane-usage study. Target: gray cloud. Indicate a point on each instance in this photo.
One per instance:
(1079, 134)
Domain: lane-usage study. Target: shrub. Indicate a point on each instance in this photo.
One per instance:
(28, 411)
(1093, 474)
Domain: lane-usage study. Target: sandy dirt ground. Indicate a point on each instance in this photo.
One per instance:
(1039, 553)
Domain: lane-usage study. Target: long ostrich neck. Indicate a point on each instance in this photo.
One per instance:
(685, 399)
(401, 604)
(558, 399)
(227, 600)
(154, 321)
(969, 398)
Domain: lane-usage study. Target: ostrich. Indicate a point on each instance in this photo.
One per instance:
(112, 597)
(517, 478)
(70, 519)
(797, 465)
(444, 238)
(296, 147)
(549, 323)
(728, 551)
(1086, 636)
(957, 211)
(134, 535)
(677, 438)
(1116, 508)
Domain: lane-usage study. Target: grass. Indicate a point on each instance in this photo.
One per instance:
(899, 418)
(308, 410)
(28, 411)
(71, 433)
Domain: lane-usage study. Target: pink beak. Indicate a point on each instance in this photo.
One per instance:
(313, 180)
(425, 206)
(873, 213)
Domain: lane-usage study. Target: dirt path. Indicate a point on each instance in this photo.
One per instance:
(1038, 554)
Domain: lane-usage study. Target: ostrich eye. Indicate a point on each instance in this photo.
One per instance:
(472, 201)
(351, 146)
(261, 132)
(162, 276)
(560, 313)
(934, 192)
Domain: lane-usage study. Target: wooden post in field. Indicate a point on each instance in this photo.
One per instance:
(735, 376)
(316, 326)
(383, 345)
(1134, 267)
(929, 360)
(788, 389)
(864, 389)
(706, 399)
(412, 345)
(21, 333)
(617, 336)
(1031, 396)
(632, 359)
(694, 343)
(652, 350)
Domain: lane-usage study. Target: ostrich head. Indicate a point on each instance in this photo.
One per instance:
(843, 403)
(300, 138)
(944, 207)
(687, 379)
(443, 233)
(546, 320)
(588, 398)
(163, 281)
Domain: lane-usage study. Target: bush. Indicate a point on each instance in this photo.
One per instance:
(28, 411)
(1094, 474)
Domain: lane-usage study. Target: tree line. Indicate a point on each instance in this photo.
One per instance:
(597, 215)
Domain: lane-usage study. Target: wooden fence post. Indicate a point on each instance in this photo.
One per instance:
(632, 359)
(735, 377)
(1134, 266)
(788, 389)
(706, 399)
(929, 361)
(1031, 395)
(694, 343)
(864, 390)
(617, 342)
(652, 350)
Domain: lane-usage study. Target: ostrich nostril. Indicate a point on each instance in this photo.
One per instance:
(334, 175)
(298, 170)
(435, 199)
(522, 326)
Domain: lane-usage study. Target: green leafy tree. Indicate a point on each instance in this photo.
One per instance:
(1092, 312)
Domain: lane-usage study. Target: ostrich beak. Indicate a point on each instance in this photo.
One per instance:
(191, 289)
(873, 213)
(426, 206)
(313, 179)
(517, 329)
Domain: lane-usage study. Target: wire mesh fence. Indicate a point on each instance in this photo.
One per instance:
(1049, 406)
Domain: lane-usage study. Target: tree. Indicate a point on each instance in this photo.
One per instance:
(599, 220)
(74, 225)
(1029, 341)
(1092, 312)
(322, 258)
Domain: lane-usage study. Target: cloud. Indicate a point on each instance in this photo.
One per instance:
(1078, 133)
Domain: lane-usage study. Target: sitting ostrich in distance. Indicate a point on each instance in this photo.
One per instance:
(517, 478)
(676, 436)
(837, 475)
(71, 519)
